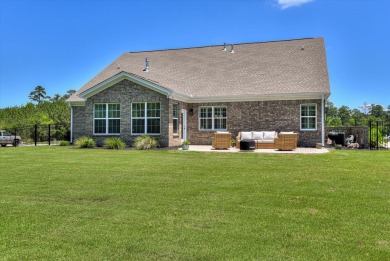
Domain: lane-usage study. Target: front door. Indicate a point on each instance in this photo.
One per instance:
(183, 124)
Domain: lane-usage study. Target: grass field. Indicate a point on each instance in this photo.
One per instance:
(73, 204)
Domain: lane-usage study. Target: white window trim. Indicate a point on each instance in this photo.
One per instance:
(177, 118)
(300, 116)
(212, 118)
(145, 118)
(106, 118)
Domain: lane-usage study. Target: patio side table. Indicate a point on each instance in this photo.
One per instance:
(247, 145)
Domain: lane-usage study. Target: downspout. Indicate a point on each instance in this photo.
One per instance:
(71, 124)
(323, 120)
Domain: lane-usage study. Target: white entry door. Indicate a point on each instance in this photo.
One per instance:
(183, 124)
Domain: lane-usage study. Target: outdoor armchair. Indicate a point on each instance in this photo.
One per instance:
(286, 141)
(221, 140)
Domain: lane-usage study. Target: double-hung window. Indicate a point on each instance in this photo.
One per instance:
(308, 116)
(175, 118)
(107, 118)
(145, 117)
(212, 118)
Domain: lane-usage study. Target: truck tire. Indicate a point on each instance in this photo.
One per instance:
(15, 143)
(3, 145)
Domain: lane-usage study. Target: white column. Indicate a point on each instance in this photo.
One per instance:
(323, 120)
(71, 124)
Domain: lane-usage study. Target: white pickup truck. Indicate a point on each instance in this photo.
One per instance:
(6, 138)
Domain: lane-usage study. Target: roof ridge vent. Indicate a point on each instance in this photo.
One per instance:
(232, 48)
(146, 65)
(224, 47)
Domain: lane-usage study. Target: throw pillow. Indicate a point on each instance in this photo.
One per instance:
(246, 135)
(269, 135)
(257, 135)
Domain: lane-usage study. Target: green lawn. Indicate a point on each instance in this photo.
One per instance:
(73, 204)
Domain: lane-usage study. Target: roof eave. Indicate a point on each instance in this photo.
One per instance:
(76, 103)
(234, 98)
(262, 97)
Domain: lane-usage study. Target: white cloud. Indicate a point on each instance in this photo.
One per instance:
(290, 3)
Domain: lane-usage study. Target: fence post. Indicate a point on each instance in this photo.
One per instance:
(49, 134)
(377, 135)
(370, 144)
(35, 135)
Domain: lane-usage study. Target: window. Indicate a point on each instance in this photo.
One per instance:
(309, 117)
(107, 118)
(145, 117)
(212, 118)
(175, 118)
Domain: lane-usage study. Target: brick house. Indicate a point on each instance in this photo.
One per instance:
(189, 93)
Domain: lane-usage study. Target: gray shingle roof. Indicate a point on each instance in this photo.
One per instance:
(265, 68)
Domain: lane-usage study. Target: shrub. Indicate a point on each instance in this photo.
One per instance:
(377, 138)
(186, 142)
(145, 142)
(64, 143)
(85, 142)
(114, 143)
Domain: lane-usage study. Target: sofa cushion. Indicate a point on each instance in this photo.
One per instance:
(246, 135)
(269, 135)
(257, 135)
(266, 141)
(286, 132)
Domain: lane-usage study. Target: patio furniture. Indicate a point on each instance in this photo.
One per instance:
(221, 140)
(263, 139)
(286, 141)
(247, 145)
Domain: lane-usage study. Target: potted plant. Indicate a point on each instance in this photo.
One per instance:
(233, 142)
(185, 145)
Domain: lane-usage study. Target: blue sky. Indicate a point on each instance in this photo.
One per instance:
(61, 45)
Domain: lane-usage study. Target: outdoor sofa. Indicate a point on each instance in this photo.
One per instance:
(263, 139)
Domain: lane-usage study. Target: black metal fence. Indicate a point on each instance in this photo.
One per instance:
(379, 135)
(41, 134)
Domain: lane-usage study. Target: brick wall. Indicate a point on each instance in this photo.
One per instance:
(125, 92)
(78, 122)
(258, 116)
(241, 116)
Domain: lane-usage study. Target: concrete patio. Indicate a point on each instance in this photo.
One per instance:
(208, 148)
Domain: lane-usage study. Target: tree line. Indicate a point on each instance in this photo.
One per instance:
(41, 110)
(344, 116)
